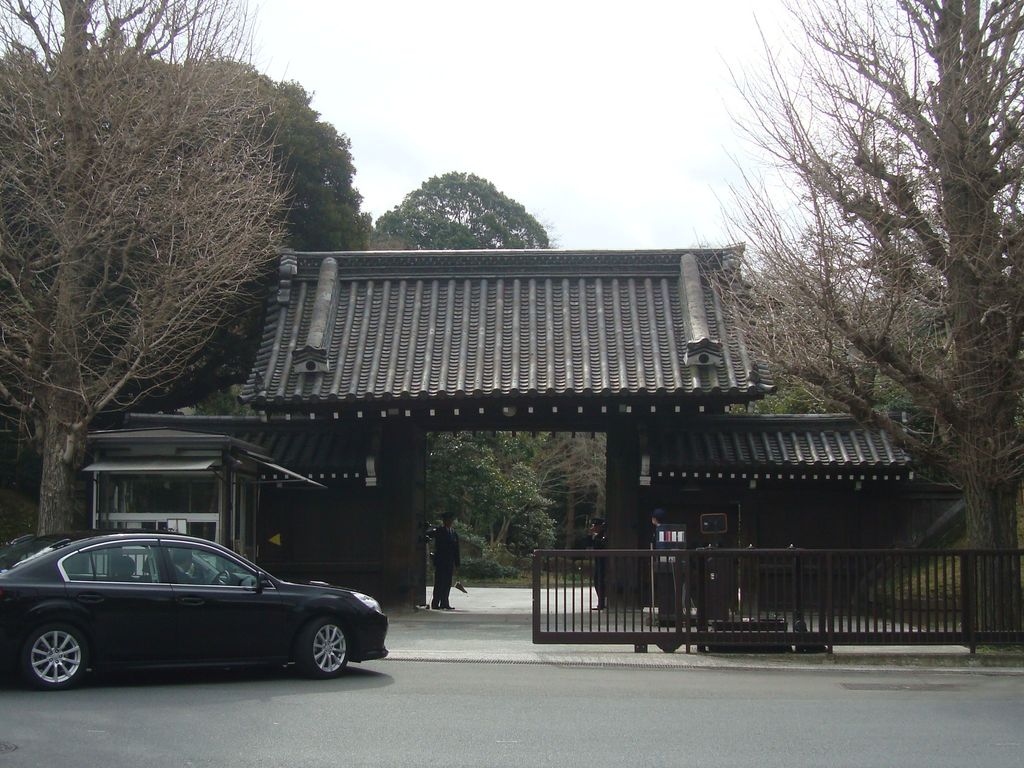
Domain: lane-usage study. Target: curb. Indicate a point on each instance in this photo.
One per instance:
(839, 662)
(426, 630)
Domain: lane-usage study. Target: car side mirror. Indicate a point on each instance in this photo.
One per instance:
(261, 581)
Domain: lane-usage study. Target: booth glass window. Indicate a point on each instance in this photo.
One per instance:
(184, 503)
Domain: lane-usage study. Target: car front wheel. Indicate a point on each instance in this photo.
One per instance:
(53, 657)
(322, 649)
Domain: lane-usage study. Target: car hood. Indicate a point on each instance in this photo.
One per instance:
(318, 588)
(323, 586)
(323, 589)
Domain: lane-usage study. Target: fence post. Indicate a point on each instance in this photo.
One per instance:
(967, 589)
(678, 585)
(799, 624)
(829, 616)
(536, 595)
(702, 592)
(690, 585)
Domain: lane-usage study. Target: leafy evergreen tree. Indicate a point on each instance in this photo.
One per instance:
(458, 211)
(316, 161)
(321, 214)
(487, 481)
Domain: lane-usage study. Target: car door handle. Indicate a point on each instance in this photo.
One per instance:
(90, 597)
(191, 600)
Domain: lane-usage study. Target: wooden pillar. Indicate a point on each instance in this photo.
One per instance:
(418, 470)
(623, 491)
(402, 476)
(623, 482)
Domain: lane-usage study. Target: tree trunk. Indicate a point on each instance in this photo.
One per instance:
(62, 449)
(991, 513)
(570, 520)
(992, 524)
(501, 536)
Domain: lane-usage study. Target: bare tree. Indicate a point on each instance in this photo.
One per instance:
(572, 467)
(135, 199)
(888, 252)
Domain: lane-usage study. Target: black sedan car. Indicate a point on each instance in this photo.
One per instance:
(71, 603)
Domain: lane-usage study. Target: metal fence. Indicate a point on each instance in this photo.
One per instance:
(762, 599)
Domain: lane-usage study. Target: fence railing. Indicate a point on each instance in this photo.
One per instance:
(800, 599)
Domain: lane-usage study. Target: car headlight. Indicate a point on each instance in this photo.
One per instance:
(368, 601)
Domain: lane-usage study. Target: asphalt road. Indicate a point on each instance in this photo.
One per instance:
(395, 713)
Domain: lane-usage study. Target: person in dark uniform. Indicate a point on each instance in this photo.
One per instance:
(446, 560)
(598, 539)
(657, 518)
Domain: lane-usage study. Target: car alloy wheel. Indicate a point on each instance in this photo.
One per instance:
(322, 649)
(329, 648)
(54, 657)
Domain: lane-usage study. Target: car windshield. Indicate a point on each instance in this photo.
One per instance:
(25, 548)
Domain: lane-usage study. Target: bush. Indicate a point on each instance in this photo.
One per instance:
(18, 515)
(484, 568)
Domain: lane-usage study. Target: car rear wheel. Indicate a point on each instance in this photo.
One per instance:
(54, 656)
(322, 649)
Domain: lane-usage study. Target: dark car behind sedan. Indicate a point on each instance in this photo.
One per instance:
(75, 602)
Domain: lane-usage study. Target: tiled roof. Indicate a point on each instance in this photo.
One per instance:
(707, 444)
(765, 442)
(433, 324)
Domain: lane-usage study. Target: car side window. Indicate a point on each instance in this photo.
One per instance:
(194, 565)
(122, 563)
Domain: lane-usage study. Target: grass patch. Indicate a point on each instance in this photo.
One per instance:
(1003, 650)
(525, 580)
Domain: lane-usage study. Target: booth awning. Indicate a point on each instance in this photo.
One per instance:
(161, 464)
(287, 475)
(315, 450)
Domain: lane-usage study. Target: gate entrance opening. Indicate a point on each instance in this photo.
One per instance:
(512, 493)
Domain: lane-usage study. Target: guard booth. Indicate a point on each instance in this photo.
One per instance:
(181, 481)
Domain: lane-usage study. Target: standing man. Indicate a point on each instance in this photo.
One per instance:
(599, 540)
(446, 560)
(657, 518)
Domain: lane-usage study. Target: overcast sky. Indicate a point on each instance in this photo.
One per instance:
(609, 122)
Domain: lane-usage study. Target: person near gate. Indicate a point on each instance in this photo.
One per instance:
(657, 518)
(446, 560)
(599, 540)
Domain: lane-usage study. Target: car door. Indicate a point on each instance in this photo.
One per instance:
(220, 614)
(128, 601)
